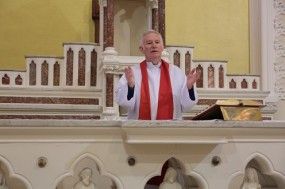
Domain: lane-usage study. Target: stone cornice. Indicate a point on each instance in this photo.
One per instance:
(142, 132)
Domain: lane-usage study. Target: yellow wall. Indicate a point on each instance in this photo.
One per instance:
(218, 29)
(39, 27)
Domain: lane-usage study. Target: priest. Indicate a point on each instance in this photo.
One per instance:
(155, 89)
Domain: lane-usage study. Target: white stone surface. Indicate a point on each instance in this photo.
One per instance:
(108, 144)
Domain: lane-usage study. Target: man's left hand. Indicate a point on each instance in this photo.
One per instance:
(192, 77)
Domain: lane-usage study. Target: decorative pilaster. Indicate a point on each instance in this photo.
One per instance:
(110, 62)
(161, 15)
(109, 57)
(109, 24)
(154, 11)
(279, 47)
(96, 19)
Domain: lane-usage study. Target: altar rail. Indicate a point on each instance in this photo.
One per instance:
(87, 74)
(80, 68)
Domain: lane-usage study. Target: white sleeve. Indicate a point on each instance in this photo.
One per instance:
(185, 100)
(121, 94)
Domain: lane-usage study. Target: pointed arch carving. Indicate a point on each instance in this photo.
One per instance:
(91, 161)
(266, 173)
(189, 179)
(13, 180)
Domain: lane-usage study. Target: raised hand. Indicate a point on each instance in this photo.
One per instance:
(192, 77)
(130, 76)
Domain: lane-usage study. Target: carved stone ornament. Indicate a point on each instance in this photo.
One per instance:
(103, 3)
(3, 180)
(279, 48)
(154, 4)
(169, 181)
(279, 5)
(250, 180)
(115, 69)
(85, 181)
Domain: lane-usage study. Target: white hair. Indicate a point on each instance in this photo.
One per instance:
(148, 32)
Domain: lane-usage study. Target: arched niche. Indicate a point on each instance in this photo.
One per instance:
(268, 177)
(130, 20)
(9, 178)
(100, 178)
(184, 177)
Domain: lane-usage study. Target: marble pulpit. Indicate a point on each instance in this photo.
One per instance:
(214, 154)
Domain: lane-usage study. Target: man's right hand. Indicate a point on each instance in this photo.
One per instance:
(130, 76)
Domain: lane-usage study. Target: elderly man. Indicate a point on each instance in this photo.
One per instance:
(155, 89)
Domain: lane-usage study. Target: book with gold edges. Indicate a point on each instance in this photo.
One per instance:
(232, 110)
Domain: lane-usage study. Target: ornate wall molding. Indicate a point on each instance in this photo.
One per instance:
(279, 47)
(154, 4)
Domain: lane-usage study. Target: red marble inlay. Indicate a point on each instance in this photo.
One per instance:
(5, 80)
(105, 33)
(76, 117)
(69, 67)
(187, 62)
(199, 82)
(232, 84)
(109, 90)
(244, 84)
(161, 15)
(33, 73)
(81, 67)
(221, 77)
(44, 73)
(155, 21)
(96, 18)
(56, 74)
(93, 79)
(176, 58)
(18, 80)
(109, 37)
(49, 100)
(254, 84)
(211, 77)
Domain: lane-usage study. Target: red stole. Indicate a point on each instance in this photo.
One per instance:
(165, 97)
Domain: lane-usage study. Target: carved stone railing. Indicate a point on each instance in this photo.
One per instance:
(87, 73)
(11, 78)
(80, 68)
(68, 87)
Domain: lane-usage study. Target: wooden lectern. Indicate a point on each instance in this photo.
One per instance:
(232, 110)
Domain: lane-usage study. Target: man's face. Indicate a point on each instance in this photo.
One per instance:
(152, 47)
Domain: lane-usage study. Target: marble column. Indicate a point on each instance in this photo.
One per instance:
(161, 15)
(109, 24)
(154, 15)
(109, 42)
(96, 19)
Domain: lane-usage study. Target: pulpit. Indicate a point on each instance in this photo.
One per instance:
(206, 154)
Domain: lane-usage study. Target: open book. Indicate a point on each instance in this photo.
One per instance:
(232, 110)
